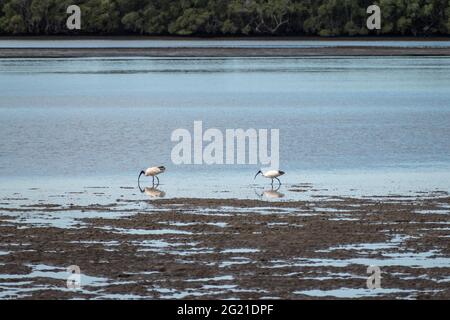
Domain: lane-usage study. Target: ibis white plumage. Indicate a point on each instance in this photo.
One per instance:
(152, 172)
(271, 174)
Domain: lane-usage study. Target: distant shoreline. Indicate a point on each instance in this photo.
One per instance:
(219, 52)
(230, 38)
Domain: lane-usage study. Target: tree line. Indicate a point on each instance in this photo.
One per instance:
(226, 17)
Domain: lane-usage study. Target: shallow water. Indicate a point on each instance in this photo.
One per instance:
(84, 128)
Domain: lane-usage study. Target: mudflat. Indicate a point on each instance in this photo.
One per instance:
(228, 248)
(219, 52)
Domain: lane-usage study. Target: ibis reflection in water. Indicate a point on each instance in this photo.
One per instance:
(271, 193)
(153, 192)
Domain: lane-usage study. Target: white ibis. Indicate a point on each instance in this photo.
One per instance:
(271, 174)
(152, 172)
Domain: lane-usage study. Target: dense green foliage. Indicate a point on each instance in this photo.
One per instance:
(226, 17)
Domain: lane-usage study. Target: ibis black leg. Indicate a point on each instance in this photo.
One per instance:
(278, 181)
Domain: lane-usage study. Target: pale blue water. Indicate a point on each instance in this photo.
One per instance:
(347, 125)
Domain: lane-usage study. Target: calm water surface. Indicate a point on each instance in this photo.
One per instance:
(347, 125)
